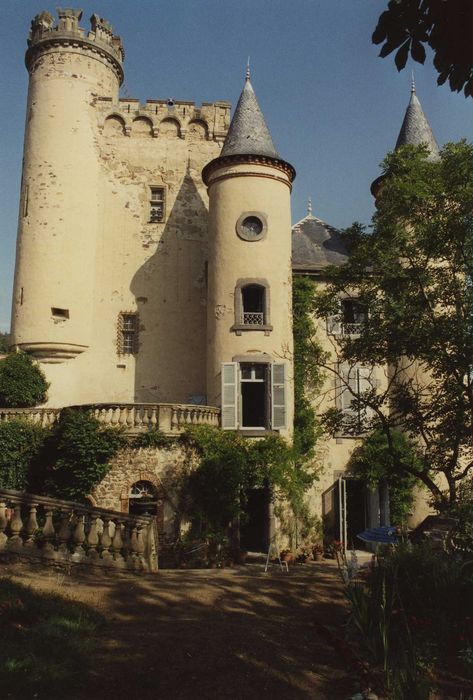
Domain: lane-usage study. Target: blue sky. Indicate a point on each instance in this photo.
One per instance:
(333, 107)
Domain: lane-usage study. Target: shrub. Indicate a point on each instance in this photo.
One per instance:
(76, 455)
(22, 383)
(20, 443)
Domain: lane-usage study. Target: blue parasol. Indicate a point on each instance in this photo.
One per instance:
(387, 534)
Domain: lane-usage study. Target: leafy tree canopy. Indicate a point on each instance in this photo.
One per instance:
(444, 25)
(22, 383)
(414, 273)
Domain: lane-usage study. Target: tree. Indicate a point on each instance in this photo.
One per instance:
(4, 338)
(414, 273)
(444, 25)
(22, 383)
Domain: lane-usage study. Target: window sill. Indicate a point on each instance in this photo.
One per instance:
(240, 328)
(256, 432)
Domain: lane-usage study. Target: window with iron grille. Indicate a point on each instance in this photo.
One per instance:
(156, 204)
(127, 333)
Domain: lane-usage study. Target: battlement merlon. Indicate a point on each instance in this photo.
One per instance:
(44, 32)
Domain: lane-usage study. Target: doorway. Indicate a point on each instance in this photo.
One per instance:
(254, 528)
(346, 511)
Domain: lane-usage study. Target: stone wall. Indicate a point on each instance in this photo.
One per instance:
(163, 468)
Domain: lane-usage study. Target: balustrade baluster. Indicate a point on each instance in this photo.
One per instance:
(64, 534)
(154, 418)
(31, 526)
(16, 526)
(48, 533)
(139, 416)
(3, 524)
(106, 541)
(140, 547)
(175, 419)
(79, 538)
(133, 560)
(115, 415)
(117, 544)
(93, 538)
(130, 416)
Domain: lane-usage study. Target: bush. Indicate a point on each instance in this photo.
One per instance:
(22, 383)
(76, 455)
(20, 443)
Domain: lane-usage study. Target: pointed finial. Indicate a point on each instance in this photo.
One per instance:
(248, 69)
(309, 206)
(413, 83)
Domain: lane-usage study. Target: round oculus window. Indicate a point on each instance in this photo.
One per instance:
(251, 226)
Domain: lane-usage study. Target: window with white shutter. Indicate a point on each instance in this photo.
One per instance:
(230, 390)
(278, 395)
(355, 382)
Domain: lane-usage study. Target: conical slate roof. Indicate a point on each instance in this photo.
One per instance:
(248, 133)
(415, 128)
(316, 244)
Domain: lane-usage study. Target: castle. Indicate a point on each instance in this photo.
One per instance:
(155, 259)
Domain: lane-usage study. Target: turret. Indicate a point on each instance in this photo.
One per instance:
(58, 230)
(249, 317)
(415, 130)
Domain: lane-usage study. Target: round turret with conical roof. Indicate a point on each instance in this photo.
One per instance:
(249, 313)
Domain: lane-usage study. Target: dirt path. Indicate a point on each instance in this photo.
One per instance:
(205, 634)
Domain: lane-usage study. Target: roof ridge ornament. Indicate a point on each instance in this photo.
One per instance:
(413, 83)
(309, 206)
(247, 74)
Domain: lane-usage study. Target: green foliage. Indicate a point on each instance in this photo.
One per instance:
(414, 273)
(4, 341)
(47, 642)
(444, 25)
(20, 443)
(22, 383)
(307, 373)
(76, 455)
(375, 461)
(412, 616)
(229, 465)
(153, 438)
(462, 512)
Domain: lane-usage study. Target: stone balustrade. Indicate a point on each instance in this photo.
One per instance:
(171, 419)
(64, 532)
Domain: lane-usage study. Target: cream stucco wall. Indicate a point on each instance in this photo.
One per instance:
(237, 188)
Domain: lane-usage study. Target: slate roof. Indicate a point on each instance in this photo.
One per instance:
(316, 244)
(416, 129)
(248, 133)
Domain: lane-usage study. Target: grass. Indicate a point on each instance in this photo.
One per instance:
(46, 642)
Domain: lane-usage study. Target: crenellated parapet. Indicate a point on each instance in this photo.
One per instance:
(155, 118)
(66, 32)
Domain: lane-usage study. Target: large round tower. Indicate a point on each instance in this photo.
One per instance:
(249, 317)
(54, 278)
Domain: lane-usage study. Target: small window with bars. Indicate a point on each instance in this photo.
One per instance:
(127, 334)
(156, 204)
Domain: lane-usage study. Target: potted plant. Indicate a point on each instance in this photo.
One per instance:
(318, 551)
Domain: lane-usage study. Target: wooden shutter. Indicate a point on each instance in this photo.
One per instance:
(229, 395)
(349, 390)
(334, 323)
(278, 395)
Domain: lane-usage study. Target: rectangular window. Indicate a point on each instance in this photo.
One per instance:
(156, 204)
(355, 384)
(253, 396)
(350, 319)
(127, 334)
